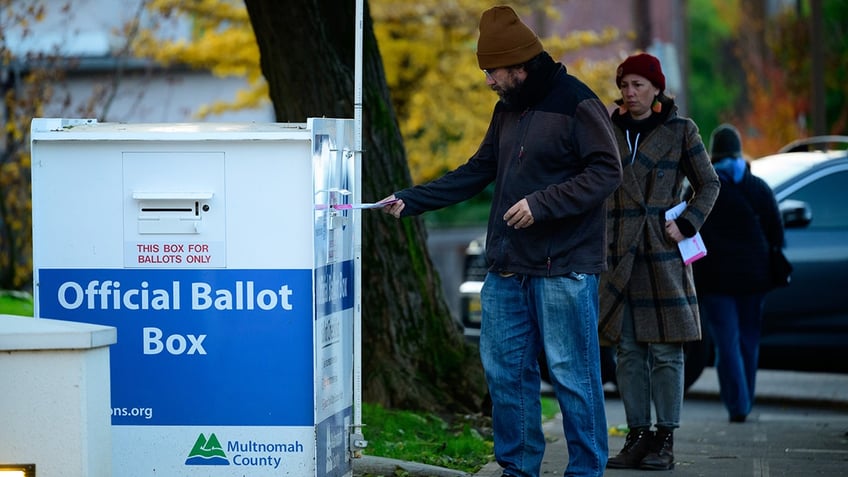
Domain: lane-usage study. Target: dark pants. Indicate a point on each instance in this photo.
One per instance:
(734, 323)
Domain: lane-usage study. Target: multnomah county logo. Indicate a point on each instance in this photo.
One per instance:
(207, 452)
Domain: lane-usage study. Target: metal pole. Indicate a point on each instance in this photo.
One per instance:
(357, 440)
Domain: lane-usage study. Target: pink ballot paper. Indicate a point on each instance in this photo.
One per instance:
(691, 248)
(365, 205)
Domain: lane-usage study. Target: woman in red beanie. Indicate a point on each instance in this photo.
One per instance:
(647, 295)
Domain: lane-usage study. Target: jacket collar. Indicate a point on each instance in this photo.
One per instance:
(537, 85)
(653, 146)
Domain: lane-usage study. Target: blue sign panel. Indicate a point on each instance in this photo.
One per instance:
(197, 347)
(333, 288)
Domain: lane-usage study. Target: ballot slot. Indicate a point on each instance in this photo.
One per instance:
(171, 213)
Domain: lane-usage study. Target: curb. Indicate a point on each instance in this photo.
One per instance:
(372, 465)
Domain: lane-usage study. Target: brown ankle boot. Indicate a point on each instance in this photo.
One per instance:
(661, 455)
(637, 444)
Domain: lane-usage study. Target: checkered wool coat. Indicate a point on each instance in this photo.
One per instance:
(644, 265)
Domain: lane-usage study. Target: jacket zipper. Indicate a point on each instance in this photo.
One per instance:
(523, 133)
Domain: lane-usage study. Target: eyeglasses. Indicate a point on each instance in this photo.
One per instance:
(491, 72)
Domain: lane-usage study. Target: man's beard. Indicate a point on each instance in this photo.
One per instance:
(509, 95)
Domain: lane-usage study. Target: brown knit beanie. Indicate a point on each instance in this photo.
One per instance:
(644, 65)
(504, 39)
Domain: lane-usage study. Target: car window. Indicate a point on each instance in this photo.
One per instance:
(828, 200)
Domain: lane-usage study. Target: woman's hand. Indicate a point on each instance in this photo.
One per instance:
(672, 231)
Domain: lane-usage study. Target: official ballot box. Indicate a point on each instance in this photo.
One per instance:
(218, 253)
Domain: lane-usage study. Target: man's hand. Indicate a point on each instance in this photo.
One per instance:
(519, 215)
(394, 208)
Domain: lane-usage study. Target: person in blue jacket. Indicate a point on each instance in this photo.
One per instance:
(551, 154)
(732, 280)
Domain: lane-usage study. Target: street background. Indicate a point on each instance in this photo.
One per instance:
(798, 427)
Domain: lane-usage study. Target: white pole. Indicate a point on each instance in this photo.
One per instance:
(357, 440)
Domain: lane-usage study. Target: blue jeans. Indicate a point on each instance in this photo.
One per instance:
(522, 315)
(649, 372)
(734, 323)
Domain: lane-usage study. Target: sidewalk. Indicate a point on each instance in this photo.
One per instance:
(809, 389)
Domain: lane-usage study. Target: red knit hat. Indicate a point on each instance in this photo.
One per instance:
(644, 65)
(504, 39)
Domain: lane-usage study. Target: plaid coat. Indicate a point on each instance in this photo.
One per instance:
(644, 266)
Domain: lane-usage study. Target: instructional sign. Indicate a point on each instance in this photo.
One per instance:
(175, 327)
(174, 254)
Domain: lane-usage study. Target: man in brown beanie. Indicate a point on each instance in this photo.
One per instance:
(552, 157)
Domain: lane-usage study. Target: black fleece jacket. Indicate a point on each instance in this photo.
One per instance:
(555, 147)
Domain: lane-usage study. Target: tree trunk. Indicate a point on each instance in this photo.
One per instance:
(414, 355)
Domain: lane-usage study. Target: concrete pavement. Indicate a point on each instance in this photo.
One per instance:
(707, 445)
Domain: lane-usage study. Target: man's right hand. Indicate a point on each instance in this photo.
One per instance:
(395, 207)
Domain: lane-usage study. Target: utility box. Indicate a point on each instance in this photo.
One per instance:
(54, 408)
(225, 255)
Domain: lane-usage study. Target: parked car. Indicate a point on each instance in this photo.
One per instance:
(805, 325)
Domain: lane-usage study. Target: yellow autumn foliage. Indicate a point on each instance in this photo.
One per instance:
(23, 94)
(428, 49)
(221, 41)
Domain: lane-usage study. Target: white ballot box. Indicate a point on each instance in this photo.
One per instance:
(219, 254)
